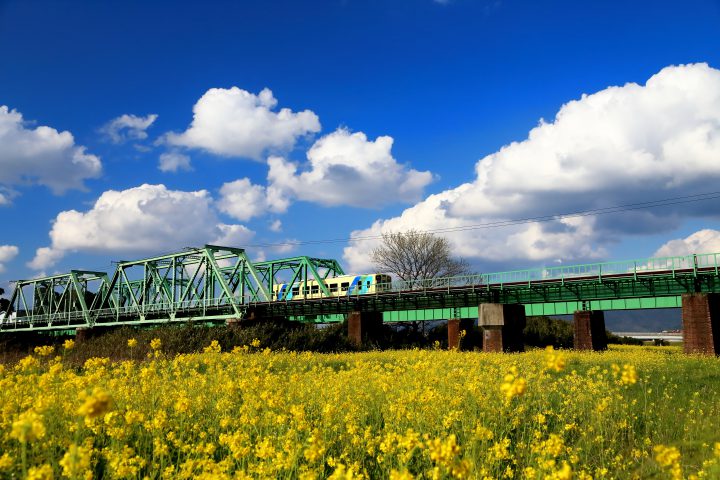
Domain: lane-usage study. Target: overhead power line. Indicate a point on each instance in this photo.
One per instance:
(700, 197)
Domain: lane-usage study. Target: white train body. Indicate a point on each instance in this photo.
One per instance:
(344, 285)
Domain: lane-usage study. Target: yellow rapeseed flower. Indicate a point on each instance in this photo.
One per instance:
(29, 426)
(96, 404)
(669, 458)
(214, 347)
(400, 475)
(28, 363)
(45, 350)
(512, 385)
(554, 360)
(76, 462)
(43, 472)
(132, 342)
(69, 344)
(378, 414)
(629, 375)
(316, 448)
(443, 452)
(155, 344)
(564, 473)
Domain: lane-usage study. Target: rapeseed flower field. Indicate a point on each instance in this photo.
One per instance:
(253, 413)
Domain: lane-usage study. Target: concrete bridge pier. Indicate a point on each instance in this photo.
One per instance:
(589, 330)
(233, 322)
(455, 328)
(363, 326)
(82, 334)
(701, 323)
(503, 326)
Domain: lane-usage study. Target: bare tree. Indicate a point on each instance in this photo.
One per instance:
(415, 255)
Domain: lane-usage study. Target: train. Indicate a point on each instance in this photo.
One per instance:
(341, 286)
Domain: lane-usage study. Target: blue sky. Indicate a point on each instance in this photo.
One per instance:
(451, 83)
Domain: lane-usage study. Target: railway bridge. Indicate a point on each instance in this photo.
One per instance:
(220, 284)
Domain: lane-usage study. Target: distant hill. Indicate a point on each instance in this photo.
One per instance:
(652, 320)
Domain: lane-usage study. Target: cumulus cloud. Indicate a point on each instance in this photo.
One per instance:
(244, 200)
(45, 257)
(6, 196)
(276, 226)
(236, 123)
(173, 162)
(41, 156)
(128, 127)
(348, 169)
(148, 218)
(621, 145)
(233, 235)
(343, 169)
(7, 253)
(703, 241)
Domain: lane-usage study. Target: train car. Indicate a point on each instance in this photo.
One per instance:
(341, 286)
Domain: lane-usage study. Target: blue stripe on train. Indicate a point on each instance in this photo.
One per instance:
(353, 284)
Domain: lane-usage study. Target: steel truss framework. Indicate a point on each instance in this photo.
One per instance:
(207, 283)
(299, 270)
(216, 283)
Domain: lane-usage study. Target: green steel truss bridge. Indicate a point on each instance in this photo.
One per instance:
(213, 283)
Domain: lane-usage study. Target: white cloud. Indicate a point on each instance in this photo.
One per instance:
(243, 200)
(128, 127)
(6, 196)
(276, 226)
(45, 257)
(233, 235)
(702, 241)
(174, 161)
(7, 253)
(621, 145)
(236, 123)
(41, 156)
(344, 169)
(348, 169)
(144, 219)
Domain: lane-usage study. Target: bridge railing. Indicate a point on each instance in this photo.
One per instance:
(642, 267)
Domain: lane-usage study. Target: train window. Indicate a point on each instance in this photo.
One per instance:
(296, 291)
(306, 290)
(315, 289)
(344, 286)
(333, 287)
